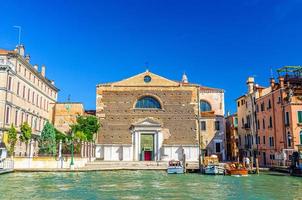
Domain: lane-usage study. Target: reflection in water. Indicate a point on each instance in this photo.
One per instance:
(145, 185)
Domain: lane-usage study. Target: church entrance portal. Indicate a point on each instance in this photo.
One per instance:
(147, 147)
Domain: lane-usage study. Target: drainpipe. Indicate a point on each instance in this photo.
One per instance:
(274, 117)
(200, 142)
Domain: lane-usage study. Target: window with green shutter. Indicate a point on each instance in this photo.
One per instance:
(299, 116)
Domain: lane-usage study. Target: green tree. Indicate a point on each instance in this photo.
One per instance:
(25, 132)
(79, 135)
(89, 125)
(47, 141)
(60, 136)
(12, 139)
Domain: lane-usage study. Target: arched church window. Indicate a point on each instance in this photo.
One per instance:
(205, 106)
(148, 102)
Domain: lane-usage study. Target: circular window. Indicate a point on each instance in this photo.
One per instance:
(147, 79)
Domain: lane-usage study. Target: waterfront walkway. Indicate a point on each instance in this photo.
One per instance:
(112, 166)
(5, 171)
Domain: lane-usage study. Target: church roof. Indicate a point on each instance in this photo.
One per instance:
(156, 80)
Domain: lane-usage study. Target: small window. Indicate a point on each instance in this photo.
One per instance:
(18, 88)
(263, 138)
(263, 123)
(217, 147)
(270, 122)
(16, 118)
(7, 115)
(217, 125)
(299, 117)
(147, 79)
(271, 141)
(286, 119)
(9, 84)
(205, 106)
(203, 125)
(289, 139)
(269, 104)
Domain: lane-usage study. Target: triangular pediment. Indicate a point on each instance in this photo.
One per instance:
(147, 122)
(146, 79)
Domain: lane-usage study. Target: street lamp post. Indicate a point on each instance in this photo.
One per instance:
(68, 108)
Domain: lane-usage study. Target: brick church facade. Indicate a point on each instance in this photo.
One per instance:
(148, 117)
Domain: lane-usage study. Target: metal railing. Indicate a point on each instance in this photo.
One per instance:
(7, 164)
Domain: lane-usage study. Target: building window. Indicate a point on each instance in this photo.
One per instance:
(271, 141)
(203, 125)
(238, 103)
(239, 140)
(205, 106)
(23, 95)
(272, 156)
(16, 118)
(22, 117)
(301, 137)
(33, 98)
(258, 124)
(257, 108)
(9, 84)
(18, 88)
(28, 94)
(217, 125)
(286, 119)
(235, 122)
(289, 139)
(299, 117)
(270, 122)
(262, 106)
(217, 147)
(269, 104)
(7, 115)
(263, 138)
(148, 102)
(263, 123)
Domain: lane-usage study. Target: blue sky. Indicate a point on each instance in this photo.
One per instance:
(217, 43)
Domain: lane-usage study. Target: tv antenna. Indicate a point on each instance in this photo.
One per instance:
(19, 33)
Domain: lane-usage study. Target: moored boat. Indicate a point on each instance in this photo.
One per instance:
(214, 170)
(236, 169)
(175, 167)
(212, 166)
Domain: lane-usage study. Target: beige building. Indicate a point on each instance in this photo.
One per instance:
(149, 117)
(246, 113)
(26, 95)
(65, 114)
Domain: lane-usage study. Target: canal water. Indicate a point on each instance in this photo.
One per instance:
(146, 185)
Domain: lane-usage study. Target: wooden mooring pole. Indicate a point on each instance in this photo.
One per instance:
(257, 166)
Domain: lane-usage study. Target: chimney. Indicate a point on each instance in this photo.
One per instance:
(281, 81)
(43, 68)
(36, 67)
(184, 78)
(250, 84)
(272, 82)
(27, 58)
(21, 50)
